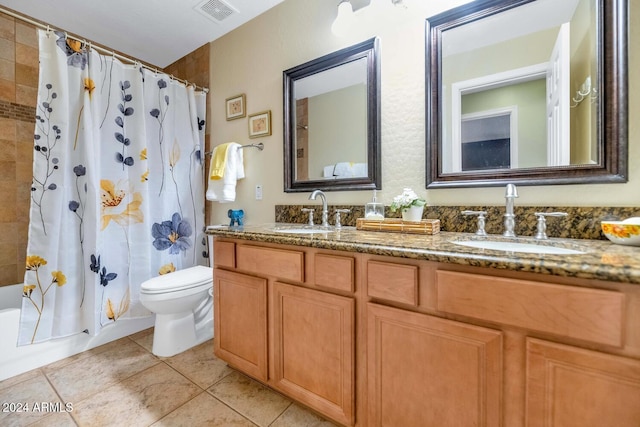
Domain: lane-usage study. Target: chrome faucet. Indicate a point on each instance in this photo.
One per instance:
(325, 211)
(509, 218)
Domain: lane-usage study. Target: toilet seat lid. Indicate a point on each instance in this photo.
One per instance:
(188, 278)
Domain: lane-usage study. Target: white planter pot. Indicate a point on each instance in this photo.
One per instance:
(414, 213)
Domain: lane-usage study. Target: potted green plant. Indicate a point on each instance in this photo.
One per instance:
(409, 204)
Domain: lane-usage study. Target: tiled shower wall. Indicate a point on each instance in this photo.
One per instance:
(18, 89)
(18, 94)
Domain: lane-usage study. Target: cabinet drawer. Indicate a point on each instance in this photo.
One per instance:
(284, 264)
(224, 254)
(393, 282)
(588, 314)
(334, 272)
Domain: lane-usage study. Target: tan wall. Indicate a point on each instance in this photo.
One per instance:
(251, 59)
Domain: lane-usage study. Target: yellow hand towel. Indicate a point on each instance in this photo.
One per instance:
(218, 161)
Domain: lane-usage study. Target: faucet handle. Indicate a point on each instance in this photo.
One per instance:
(310, 211)
(481, 220)
(337, 214)
(541, 232)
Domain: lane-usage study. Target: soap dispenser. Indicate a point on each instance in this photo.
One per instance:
(373, 209)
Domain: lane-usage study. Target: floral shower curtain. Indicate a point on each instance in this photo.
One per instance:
(117, 193)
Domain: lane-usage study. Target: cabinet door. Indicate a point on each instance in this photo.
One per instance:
(240, 322)
(313, 346)
(425, 371)
(570, 386)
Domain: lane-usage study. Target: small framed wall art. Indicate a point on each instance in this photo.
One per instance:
(260, 124)
(235, 107)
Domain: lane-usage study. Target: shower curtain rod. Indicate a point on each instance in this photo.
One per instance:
(98, 48)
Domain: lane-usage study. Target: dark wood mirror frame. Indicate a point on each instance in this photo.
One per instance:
(369, 50)
(612, 113)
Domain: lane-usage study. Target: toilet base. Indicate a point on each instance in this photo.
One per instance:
(175, 333)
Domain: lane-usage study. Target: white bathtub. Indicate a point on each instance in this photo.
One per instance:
(16, 360)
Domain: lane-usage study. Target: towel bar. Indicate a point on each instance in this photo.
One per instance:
(259, 146)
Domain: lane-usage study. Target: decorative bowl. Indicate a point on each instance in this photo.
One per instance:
(625, 232)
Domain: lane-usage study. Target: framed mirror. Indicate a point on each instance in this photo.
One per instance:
(331, 121)
(531, 92)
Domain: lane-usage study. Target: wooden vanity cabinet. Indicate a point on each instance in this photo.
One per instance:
(313, 349)
(272, 325)
(571, 386)
(427, 371)
(240, 321)
(371, 340)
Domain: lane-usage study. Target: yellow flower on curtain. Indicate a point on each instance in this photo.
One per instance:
(27, 290)
(34, 262)
(58, 278)
(174, 156)
(145, 176)
(120, 203)
(143, 154)
(89, 86)
(113, 314)
(167, 268)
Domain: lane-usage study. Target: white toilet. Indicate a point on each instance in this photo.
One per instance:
(183, 304)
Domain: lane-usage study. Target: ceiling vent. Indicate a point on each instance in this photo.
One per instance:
(216, 10)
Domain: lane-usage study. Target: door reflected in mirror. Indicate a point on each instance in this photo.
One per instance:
(519, 91)
(332, 131)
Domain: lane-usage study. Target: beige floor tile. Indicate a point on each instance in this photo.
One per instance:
(137, 401)
(10, 382)
(82, 378)
(250, 398)
(94, 351)
(200, 365)
(144, 338)
(206, 411)
(60, 419)
(296, 416)
(22, 397)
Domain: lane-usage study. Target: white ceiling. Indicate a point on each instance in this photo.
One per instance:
(158, 32)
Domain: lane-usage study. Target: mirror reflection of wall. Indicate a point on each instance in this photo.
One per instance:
(337, 120)
(501, 46)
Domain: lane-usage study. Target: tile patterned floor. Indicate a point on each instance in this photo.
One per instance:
(123, 384)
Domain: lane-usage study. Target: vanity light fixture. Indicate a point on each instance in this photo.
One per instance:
(346, 18)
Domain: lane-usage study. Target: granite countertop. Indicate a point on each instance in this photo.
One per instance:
(601, 259)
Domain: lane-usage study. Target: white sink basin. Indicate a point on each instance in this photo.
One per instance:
(508, 246)
(301, 230)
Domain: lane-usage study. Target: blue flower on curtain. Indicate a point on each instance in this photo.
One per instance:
(121, 137)
(77, 207)
(74, 49)
(172, 235)
(105, 277)
(159, 114)
(46, 137)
